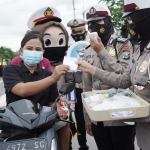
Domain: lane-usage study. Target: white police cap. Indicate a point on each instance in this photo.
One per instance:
(97, 12)
(44, 14)
(133, 5)
(76, 24)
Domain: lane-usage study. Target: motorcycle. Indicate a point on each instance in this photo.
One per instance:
(30, 124)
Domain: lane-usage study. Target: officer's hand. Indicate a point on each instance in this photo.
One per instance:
(97, 46)
(88, 128)
(86, 67)
(58, 71)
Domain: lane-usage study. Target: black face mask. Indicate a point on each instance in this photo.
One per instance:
(135, 27)
(55, 53)
(79, 37)
(102, 31)
(133, 30)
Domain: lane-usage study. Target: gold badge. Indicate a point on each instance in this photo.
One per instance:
(143, 67)
(48, 12)
(75, 22)
(102, 30)
(136, 8)
(112, 52)
(132, 32)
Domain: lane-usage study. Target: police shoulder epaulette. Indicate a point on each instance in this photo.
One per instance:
(122, 40)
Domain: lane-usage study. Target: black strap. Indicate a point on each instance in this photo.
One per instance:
(87, 47)
(114, 44)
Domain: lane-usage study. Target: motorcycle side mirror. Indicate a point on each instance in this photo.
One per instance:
(67, 88)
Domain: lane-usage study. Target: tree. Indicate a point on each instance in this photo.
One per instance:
(7, 53)
(116, 9)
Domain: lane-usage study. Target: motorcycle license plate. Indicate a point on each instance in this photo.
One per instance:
(31, 144)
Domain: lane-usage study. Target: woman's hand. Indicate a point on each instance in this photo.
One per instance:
(86, 67)
(61, 113)
(59, 70)
(97, 46)
(65, 100)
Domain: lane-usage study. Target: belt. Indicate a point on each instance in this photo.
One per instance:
(79, 85)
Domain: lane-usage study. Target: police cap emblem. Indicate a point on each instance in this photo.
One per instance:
(48, 12)
(75, 22)
(92, 11)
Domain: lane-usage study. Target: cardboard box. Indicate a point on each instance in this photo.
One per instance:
(107, 115)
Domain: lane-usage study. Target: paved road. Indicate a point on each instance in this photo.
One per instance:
(90, 140)
(91, 143)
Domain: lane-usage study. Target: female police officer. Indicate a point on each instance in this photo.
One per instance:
(111, 134)
(138, 14)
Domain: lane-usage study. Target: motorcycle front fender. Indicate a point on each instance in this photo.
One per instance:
(51, 137)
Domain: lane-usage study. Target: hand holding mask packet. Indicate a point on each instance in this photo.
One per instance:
(92, 35)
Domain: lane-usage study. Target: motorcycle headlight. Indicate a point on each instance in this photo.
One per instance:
(53, 145)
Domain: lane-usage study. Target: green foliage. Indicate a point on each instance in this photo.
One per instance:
(116, 9)
(7, 53)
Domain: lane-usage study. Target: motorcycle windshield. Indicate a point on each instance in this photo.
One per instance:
(25, 109)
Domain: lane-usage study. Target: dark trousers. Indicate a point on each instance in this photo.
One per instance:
(1, 72)
(114, 137)
(80, 122)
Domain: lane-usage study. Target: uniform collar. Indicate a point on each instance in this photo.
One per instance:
(110, 41)
(25, 69)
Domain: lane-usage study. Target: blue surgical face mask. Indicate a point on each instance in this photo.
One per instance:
(32, 58)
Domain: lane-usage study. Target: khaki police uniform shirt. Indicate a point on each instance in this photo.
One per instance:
(106, 60)
(137, 75)
(140, 77)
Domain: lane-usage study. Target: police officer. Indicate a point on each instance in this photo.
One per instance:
(138, 16)
(109, 135)
(78, 33)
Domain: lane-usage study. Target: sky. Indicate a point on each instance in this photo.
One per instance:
(14, 15)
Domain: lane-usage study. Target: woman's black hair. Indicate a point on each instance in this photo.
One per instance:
(32, 35)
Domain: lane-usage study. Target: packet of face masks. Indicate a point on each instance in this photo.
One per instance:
(71, 62)
(92, 35)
